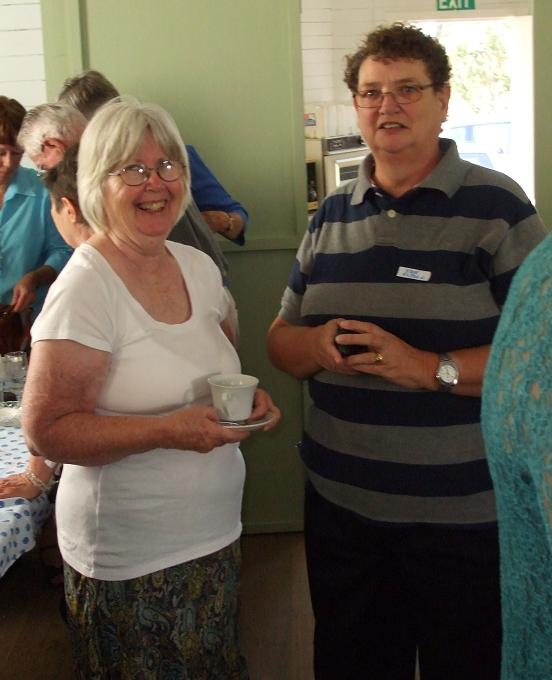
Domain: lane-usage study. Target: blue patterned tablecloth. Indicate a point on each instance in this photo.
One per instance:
(20, 519)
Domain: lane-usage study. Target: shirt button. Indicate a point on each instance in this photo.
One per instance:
(391, 213)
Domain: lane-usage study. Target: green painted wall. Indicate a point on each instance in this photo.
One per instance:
(230, 73)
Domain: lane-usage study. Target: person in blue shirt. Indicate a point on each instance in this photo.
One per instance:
(31, 251)
(223, 214)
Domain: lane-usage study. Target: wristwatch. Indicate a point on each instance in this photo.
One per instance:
(447, 373)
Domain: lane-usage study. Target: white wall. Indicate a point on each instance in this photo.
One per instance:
(21, 52)
(317, 44)
(331, 29)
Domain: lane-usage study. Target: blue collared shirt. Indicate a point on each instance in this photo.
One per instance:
(28, 236)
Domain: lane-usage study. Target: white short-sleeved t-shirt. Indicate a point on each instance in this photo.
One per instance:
(152, 510)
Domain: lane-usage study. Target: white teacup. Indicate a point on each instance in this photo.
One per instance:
(233, 395)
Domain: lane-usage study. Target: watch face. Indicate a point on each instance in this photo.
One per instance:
(448, 374)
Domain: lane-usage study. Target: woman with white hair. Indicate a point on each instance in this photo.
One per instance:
(148, 507)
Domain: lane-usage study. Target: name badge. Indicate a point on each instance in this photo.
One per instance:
(416, 274)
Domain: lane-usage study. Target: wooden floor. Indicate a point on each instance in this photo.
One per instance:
(276, 622)
(276, 618)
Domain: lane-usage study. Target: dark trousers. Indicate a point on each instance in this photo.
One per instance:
(379, 593)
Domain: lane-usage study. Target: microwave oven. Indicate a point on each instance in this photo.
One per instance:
(342, 167)
(330, 162)
(343, 156)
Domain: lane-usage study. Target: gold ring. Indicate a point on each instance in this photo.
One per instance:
(379, 358)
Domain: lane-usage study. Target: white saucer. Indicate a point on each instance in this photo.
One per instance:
(254, 425)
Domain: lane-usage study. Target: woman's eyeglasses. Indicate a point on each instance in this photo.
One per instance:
(138, 173)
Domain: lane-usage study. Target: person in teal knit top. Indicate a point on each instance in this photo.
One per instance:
(517, 426)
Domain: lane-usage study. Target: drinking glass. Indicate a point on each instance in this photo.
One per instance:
(15, 369)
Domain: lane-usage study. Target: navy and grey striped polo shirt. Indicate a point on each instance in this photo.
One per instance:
(432, 267)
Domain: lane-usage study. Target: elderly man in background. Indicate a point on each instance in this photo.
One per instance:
(48, 130)
(409, 265)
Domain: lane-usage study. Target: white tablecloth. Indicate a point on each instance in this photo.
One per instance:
(20, 519)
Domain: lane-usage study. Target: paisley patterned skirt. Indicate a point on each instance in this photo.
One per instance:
(179, 623)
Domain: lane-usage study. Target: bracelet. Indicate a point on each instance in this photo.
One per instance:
(229, 225)
(36, 481)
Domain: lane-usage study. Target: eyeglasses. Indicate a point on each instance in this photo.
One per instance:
(404, 94)
(137, 173)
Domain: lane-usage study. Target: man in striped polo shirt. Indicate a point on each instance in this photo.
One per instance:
(409, 264)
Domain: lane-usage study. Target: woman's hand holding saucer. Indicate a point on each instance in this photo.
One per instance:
(197, 428)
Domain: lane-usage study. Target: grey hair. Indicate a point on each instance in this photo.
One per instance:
(59, 121)
(112, 137)
(87, 91)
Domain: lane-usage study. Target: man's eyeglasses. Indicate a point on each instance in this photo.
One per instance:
(404, 94)
(137, 173)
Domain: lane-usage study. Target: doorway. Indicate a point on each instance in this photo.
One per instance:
(491, 106)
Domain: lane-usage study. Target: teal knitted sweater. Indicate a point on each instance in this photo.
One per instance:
(517, 426)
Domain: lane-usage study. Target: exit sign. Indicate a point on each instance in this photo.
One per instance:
(455, 4)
